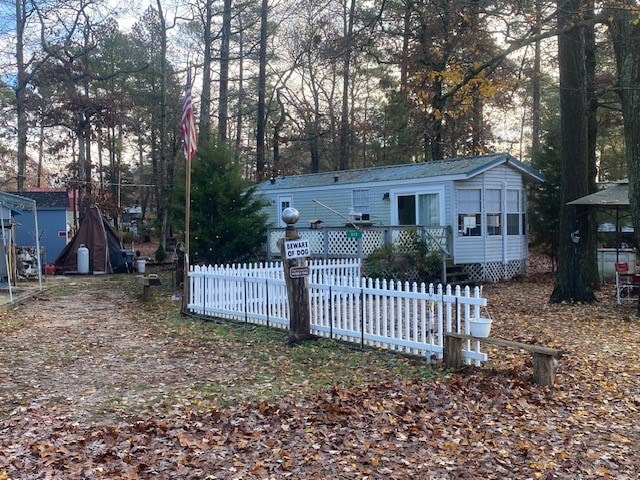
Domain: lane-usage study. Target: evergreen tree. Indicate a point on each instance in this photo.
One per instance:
(544, 198)
(227, 223)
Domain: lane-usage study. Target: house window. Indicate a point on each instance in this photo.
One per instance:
(284, 201)
(469, 213)
(360, 203)
(419, 209)
(514, 212)
(493, 204)
(429, 210)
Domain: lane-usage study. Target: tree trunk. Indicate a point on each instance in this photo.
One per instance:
(40, 156)
(80, 168)
(592, 134)
(535, 87)
(477, 125)
(223, 102)
(262, 86)
(574, 281)
(20, 92)
(162, 157)
(239, 113)
(625, 33)
(406, 34)
(204, 129)
(276, 133)
(313, 125)
(346, 72)
(435, 134)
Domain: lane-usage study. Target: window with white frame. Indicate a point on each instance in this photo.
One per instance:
(469, 212)
(360, 203)
(429, 210)
(419, 209)
(493, 207)
(284, 201)
(514, 212)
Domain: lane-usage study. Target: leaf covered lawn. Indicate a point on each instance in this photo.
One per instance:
(94, 384)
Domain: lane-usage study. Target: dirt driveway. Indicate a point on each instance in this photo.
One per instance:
(76, 351)
(92, 348)
(96, 384)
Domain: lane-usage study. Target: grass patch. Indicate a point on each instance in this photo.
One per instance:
(7, 321)
(248, 362)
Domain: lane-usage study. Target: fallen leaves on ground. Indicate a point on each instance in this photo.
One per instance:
(105, 390)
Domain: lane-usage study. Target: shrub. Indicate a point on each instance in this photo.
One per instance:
(409, 260)
(161, 254)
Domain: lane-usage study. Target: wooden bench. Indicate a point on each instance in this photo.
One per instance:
(544, 358)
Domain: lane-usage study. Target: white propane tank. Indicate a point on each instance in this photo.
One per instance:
(141, 264)
(83, 259)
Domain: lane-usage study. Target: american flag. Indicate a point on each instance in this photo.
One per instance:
(188, 126)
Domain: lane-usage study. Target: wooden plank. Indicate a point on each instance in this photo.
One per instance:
(508, 343)
(544, 362)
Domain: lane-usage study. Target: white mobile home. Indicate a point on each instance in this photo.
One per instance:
(480, 201)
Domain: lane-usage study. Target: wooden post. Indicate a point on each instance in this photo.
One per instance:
(544, 369)
(146, 286)
(453, 352)
(297, 281)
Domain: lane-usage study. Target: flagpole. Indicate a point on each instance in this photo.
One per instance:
(187, 221)
(189, 138)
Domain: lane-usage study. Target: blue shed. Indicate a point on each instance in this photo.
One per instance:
(52, 207)
(479, 201)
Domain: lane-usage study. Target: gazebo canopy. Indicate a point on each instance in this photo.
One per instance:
(615, 196)
(17, 202)
(20, 204)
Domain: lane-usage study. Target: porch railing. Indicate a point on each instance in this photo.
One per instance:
(339, 242)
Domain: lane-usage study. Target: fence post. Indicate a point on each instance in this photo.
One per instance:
(246, 306)
(361, 318)
(296, 278)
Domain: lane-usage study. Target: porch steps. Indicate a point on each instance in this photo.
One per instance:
(457, 276)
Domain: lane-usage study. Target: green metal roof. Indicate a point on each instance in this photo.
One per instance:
(458, 168)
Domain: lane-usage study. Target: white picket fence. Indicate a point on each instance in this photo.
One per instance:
(404, 317)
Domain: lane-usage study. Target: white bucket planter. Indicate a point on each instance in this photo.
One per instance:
(480, 327)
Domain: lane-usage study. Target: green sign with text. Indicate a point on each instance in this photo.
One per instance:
(354, 233)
